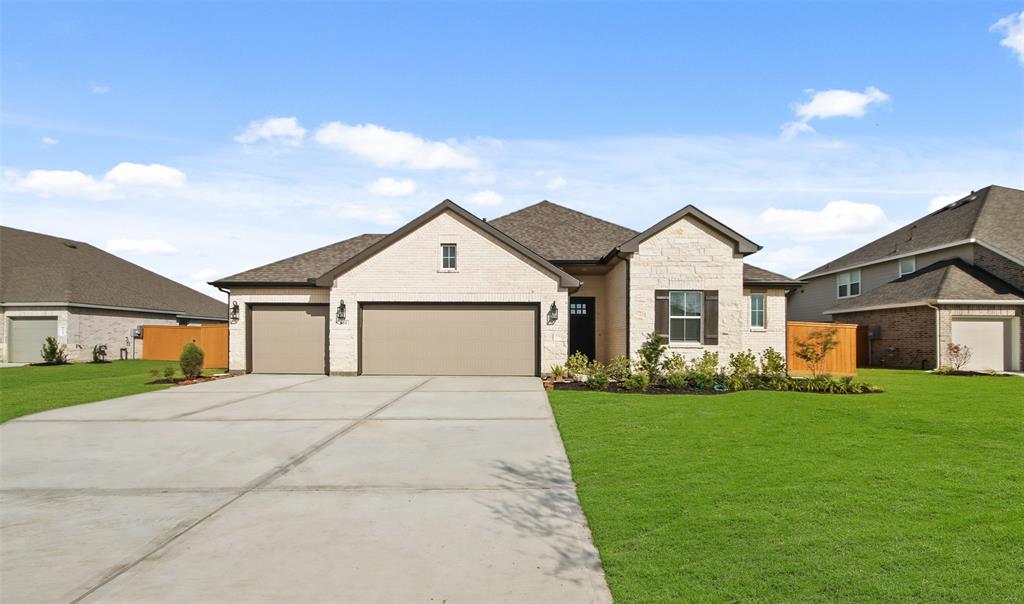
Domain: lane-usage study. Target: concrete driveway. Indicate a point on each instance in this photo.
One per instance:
(296, 488)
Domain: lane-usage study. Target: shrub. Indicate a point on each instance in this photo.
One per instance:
(99, 353)
(637, 381)
(557, 371)
(816, 347)
(618, 368)
(773, 364)
(958, 355)
(676, 379)
(597, 380)
(651, 352)
(674, 363)
(577, 364)
(743, 370)
(596, 366)
(704, 371)
(154, 373)
(53, 352)
(169, 372)
(191, 361)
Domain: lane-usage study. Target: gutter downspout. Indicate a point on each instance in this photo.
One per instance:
(938, 351)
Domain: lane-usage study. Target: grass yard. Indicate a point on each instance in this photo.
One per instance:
(25, 390)
(916, 494)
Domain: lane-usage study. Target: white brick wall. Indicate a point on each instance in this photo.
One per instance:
(265, 295)
(774, 333)
(408, 271)
(615, 318)
(946, 314)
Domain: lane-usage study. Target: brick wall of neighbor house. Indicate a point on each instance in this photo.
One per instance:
(907, 336)
(410, 271)
(615, 318)
(947, 312)
(774, 333)
(688, 256)
(594, 286)
(265, 295)
(1000, 266)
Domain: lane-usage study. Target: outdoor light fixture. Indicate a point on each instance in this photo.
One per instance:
(552, 314)
(339, 316)
(234, 312)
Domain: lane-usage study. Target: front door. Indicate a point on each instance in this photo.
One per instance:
(581, 326)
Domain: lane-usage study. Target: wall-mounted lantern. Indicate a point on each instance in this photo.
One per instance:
(552, 313)
(234, 312)
(339, 315)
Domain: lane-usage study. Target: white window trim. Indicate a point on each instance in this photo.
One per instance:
(849, 282)
(700, 331)
(442, 268)
(764, 312)
(899, 265)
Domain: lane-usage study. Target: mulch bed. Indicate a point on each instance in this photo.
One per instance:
(184, 382)
(615, 387)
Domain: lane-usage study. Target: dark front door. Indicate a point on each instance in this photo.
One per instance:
(581, 326)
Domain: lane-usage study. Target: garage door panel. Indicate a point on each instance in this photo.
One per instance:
(449, 340)
(288, 338)
(988, 339)
(26, 336)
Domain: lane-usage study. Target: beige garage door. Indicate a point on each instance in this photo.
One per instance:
(26, 337)
(449, 339)
(988, 339)
(288, 338)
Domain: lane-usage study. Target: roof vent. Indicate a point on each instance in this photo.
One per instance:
(71, 245)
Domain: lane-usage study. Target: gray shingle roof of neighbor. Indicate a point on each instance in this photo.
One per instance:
(994, 215)
(951, 279)
(755, 275)
(37, 268)
(304, 268)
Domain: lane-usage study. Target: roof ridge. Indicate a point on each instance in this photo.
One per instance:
(981, 199)
(568, 209)
(306, 253)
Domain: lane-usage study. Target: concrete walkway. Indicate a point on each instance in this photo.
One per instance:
(280, 488)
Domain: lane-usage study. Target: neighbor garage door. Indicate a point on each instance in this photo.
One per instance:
(988, 339)
(287, 338)
(26, 337)
(449, 339)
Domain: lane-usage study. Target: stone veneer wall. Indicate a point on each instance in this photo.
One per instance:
(774, 333)
(908, 336)
(616, 296)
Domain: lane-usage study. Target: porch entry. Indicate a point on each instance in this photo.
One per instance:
(581, 325)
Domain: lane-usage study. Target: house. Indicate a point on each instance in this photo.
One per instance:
(955, 275)
(83, 296)
(449, 293)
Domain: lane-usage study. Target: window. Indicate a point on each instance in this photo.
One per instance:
(684, 316)
(848, 284)
(448, 257)
(757, 311)
(908, 265)
(577, 308)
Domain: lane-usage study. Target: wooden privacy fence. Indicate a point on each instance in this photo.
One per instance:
(164, 342)
(841, 360)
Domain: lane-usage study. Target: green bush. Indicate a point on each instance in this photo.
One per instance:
(773, 364)
(169, 372)
(677, 380)
(674, 363)
(577, 364)
(53, 352)
(191, 361)
(597, 380)
(99, 353)
(637, 381)
(651, 353)
(742, 370)
(557, 372)
(618, 368)
(704, 371)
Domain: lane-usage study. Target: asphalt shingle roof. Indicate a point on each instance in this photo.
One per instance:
(304, 267)
(951, 279)
(994, 215)
(756, 274)
(37, 268)
(559, 233)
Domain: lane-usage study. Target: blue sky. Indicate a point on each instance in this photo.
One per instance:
(202, 139)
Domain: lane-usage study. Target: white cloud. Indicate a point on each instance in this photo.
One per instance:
(386, 147)
(48, 141)
(790, 261)
(140, 246)
(98, 88)
(556, 183)
(942, 201)
(1013, 28)
(837, 220)
(382, 215)
(390, 187)
(46, 183)
(284, 131)
(152, 175)
(484, 198)
(825, 104)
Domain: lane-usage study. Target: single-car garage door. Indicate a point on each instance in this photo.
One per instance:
(989, 341)
(26, 337)
(449, 339)
(288, 338)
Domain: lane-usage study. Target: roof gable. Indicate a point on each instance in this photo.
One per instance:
(327, 279)
(559, 233)
(742, 244)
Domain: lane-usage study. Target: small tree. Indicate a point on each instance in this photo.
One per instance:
(958, 355)
(816, 347)
(191, 361)
(651, 353)
(53, 352)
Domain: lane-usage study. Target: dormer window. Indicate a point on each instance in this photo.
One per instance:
(449, 257)
(908, 265)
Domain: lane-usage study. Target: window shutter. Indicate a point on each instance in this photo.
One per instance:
(711, 317)
(661, 312)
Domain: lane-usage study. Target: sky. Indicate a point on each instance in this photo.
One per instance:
(203, 139)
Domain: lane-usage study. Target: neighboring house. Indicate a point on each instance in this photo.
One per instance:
(83, 296)
(955, 275)
(449, 293)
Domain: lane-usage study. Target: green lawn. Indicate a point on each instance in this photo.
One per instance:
(25, 390)
(916, 494)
